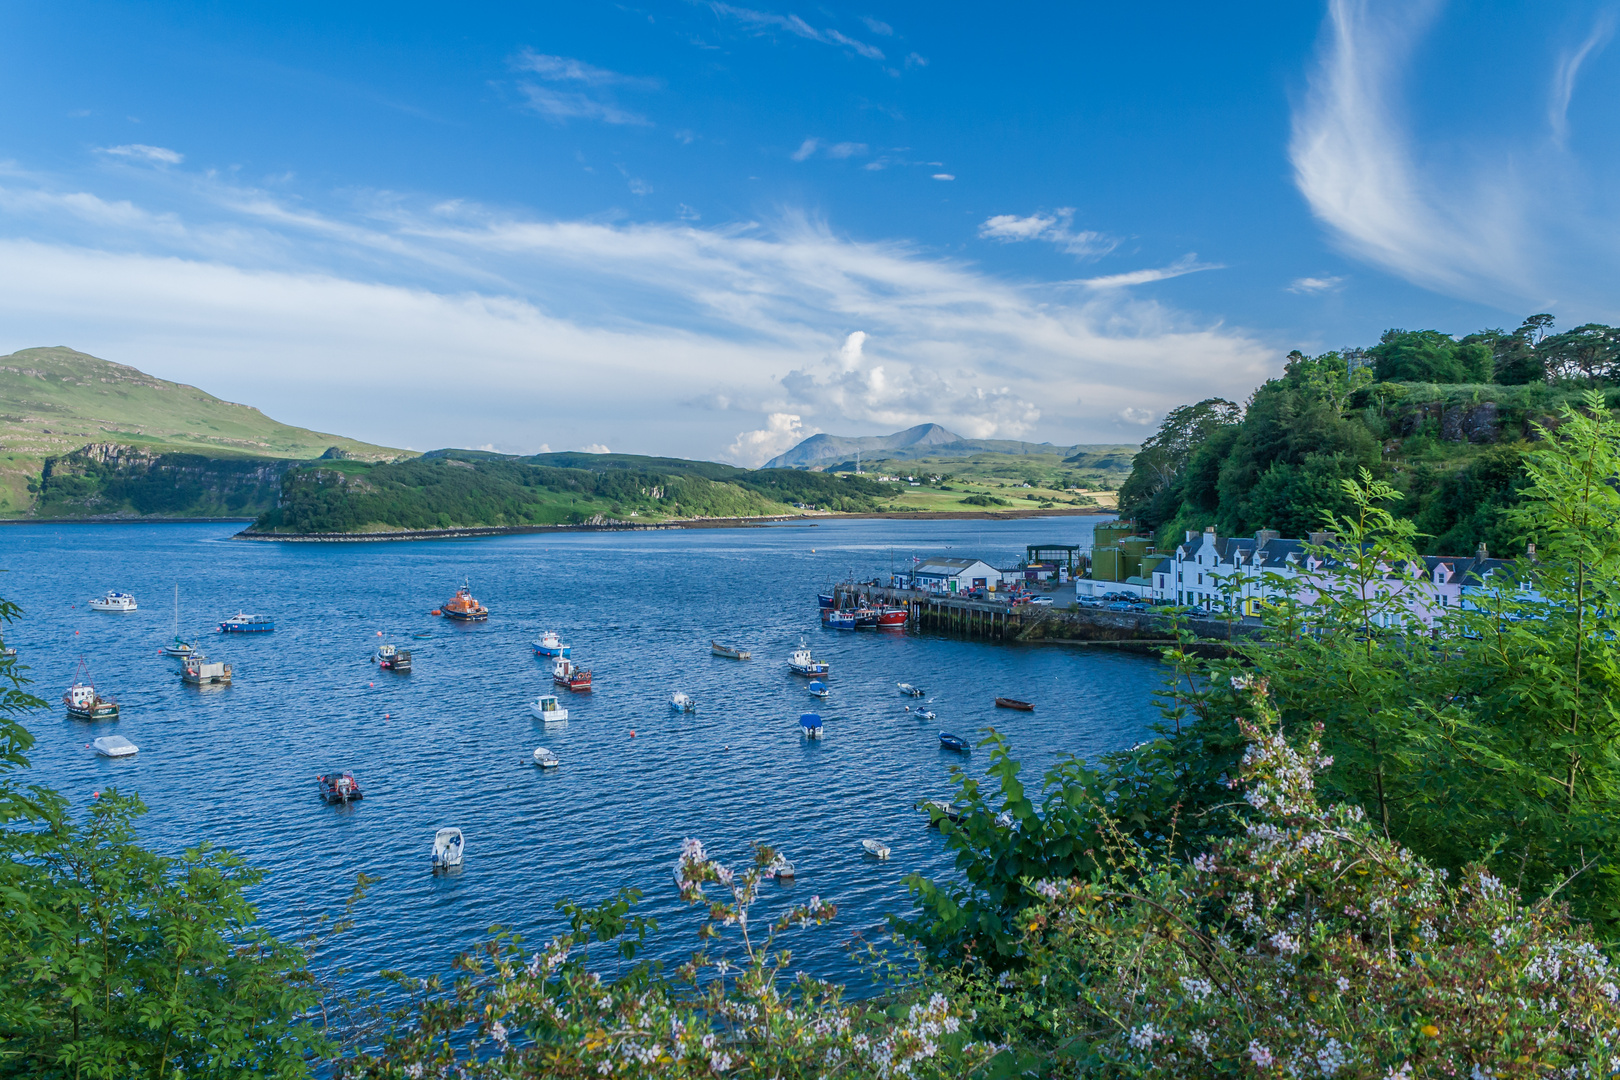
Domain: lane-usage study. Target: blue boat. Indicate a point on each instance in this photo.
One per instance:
(550, 644)
(953, 742)
(825, 599)
(811, 724)
(840, 620)
(819, 689)
(247, 624)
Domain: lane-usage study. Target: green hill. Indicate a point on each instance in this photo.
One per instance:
(56, 401)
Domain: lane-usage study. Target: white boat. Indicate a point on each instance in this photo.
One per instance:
(199, 671)
(876, 848)
(547, 708)
(682, 702)
(447, 848)
(909, 690)
(926, 714)
(113, 601)
(802, 663)
(819, 689)
(810, 723)
(781, 868)
(178, 646)
(551, 643)
(114, 746)
(546, 759)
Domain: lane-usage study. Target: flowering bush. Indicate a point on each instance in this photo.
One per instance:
(1306, 945)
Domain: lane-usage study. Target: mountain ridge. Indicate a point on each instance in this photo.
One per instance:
(922, 441)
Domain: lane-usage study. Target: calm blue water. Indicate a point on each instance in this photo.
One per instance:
(451, 742)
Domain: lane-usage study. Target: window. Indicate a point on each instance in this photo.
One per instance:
(1200, 579)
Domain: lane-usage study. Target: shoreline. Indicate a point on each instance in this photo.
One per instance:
(478, 531)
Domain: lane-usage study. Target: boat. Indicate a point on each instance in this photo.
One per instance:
(422, 635)
(114, 601)
(546, 759)
(810, 723)
(84, 702)
(565, 673)
(909, 690)
(448, 848)
(891, 616)
(820, 689)
(546, 708)
(1014, 703)
(550, 644)
(780, 868)
(114, 746)
(682, 702)
(392, 658)
(926, 714)
(953, 742)
(728, 652)
(825, 600)
(839, 620)
(198, 671)
(865, 617)
(463, 608)
(339, 787)
(946, 811)
(247, 624)
(876, 848)
(801, 663)
(179, 646)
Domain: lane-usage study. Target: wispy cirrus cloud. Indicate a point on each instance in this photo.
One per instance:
(1187, 264)
(561, 101)
(837, 151)
(1568, 67)
(153, 155)
(1307, 286)
(792, 24)
(1055, 228)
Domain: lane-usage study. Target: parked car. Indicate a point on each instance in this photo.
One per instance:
(1119, 605)
(1043, 601)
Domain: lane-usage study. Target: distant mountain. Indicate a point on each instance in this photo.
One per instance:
(826, 449)
(933, 441)
(56, 401)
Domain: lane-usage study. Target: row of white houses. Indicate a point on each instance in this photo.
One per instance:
(1217, 573)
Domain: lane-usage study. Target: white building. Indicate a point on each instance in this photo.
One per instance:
(954, 575)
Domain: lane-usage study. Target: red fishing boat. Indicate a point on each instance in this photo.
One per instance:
(891, 616)
(565, 673)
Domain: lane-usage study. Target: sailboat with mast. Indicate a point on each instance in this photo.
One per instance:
(179, 646)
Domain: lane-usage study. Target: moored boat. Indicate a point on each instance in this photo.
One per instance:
(449, 847)
(551, 643)
(728, 652)
(547, 708)
(780, 868)
(953, 742)
(178, 646)
(117, 602)
(392, 658)
(891, 616)
(825, 599)
(114, 746)
(939, 810)
(801, 662)
(810, 724)
(875, 848)
(819, 689)
(839, 620)
(865, 617)
(199, 671)
(909, 690)
(463, 607)
(85, 703)
(338, 787)
(1014, 703)
(682, 702)
(241, 623)
(565, 673)
(546, 759)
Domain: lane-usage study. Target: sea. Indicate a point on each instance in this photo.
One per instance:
(451, 742)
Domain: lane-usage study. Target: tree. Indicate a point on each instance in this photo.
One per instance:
(1517, 358)
(1590, 352)
(1430, 356)
(1148, 493)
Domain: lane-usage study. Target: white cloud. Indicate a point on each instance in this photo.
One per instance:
(846, 149)
(1569, 66)
(944, 176)
(156, 155)
(754, 448)
(764, 20)
(1053, 227)
(1310, 285)
(805, 149)
(567, 69)
(594, 448)
(1187, 264)
(877, 26)
(463, 325)
(1140, 417)
(639, 187)
(835, 150)
(561, 105)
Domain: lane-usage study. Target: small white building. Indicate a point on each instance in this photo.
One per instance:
(955, 575)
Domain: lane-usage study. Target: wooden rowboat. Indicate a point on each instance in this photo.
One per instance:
(1014, 703)
(728, 652)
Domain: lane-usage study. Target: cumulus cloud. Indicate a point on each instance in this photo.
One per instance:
(1309, 285)
(1140, 417)
(594, 448)
(1055, 227)
(155, 155)
(754, 448)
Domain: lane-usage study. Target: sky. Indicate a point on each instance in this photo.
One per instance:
(711, 229)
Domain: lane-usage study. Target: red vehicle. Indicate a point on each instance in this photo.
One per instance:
(565, 674)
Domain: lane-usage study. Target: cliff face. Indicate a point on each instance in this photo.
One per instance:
(110, 480)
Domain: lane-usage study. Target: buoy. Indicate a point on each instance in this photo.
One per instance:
(632, 733)
(379, 633)
(95, 794)
(385, 716)
(371, 684)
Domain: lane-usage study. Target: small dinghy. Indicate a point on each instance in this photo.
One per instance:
(548, 709)
(546, 759)
(926, 714)
(422, 635)
(682, 702)
(728, 652)
(909, 690)
(339, 787)
(810, 724)
(820, 689)
(953, 742)
(114, 746)
(1014, 703)
(447, 848)
(876, 848)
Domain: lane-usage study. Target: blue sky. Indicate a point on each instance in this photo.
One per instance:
(710, 229)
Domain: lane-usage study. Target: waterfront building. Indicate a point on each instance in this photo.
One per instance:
(944, 575)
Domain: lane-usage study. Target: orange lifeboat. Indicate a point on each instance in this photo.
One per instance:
(464, 607)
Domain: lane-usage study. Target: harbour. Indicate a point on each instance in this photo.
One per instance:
(452, 744)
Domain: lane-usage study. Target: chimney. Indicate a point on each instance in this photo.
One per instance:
(1209, 530)
(1530, 552)
(1482, 553)
(1318, 539)
(1192, 534)
(1266, 536)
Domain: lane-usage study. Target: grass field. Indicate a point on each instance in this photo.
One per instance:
(1018, 481)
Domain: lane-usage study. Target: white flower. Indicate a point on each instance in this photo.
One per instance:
(1259, 1054)
(1283, 942)
(1343, 984)
(1142, 1038)
(1198, 988)
(414, 1071)
(1331, 1058)
(497, 1031)
(719, 1062)
(1204, 864)
(1047, 889)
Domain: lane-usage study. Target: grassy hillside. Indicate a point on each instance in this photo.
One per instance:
(1061, 477)
(53, 401)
